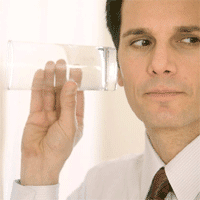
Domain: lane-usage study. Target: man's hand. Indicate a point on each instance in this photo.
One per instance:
(54, 125)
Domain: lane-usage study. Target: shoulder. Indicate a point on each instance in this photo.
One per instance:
(117, 167)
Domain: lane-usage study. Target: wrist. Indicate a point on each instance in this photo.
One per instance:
(38, 180)
(36, 174)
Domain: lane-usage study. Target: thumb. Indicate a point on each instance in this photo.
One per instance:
(68, 103)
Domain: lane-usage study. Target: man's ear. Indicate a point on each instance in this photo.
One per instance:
(120, 79)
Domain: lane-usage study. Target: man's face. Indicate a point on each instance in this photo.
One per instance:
(163, 57)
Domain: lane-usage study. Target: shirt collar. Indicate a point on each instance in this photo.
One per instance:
(184, 164)
(151, 164)
(183, 171)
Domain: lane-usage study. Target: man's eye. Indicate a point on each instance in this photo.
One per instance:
(191, 40)
(141, 43)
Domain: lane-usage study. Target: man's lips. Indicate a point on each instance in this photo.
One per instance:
(167, 96)
(167, 93)
(162, 90)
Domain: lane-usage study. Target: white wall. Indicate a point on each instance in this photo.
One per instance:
(3, 33)
(111, 128)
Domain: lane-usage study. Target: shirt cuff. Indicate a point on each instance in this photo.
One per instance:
(20, 192)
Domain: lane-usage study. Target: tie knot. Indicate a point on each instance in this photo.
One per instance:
(160, 186)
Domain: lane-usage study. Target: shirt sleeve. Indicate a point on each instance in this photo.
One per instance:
(20, 192)
(88, 189)
(78, 194)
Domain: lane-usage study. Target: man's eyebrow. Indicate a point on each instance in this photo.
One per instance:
(136, 31)
(177, 29)
(188, 29)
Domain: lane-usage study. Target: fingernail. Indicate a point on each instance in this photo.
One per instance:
(71, 88)
(72, 80)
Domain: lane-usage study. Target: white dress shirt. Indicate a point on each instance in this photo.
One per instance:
(129, 178)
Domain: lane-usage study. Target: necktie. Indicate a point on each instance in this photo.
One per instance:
(160, 186)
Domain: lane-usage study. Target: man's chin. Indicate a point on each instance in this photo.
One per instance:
(163, 122)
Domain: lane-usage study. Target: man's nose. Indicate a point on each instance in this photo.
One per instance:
(162, 61)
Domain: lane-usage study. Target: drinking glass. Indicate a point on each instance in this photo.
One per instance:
(91, 67)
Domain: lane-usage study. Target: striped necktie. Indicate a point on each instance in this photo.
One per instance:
(160, 186)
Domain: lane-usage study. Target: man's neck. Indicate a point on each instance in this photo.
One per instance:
(168, 142)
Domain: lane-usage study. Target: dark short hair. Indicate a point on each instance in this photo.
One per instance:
(113, 19)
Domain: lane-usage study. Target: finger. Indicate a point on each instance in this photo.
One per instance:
(60, 81)
(37, 92)
(79, 116)
(49, 91)
(68, 100)
(80, 107)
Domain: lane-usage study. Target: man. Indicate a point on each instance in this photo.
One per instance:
(158, 44)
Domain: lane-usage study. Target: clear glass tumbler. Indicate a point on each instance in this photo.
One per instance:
(91, 67)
